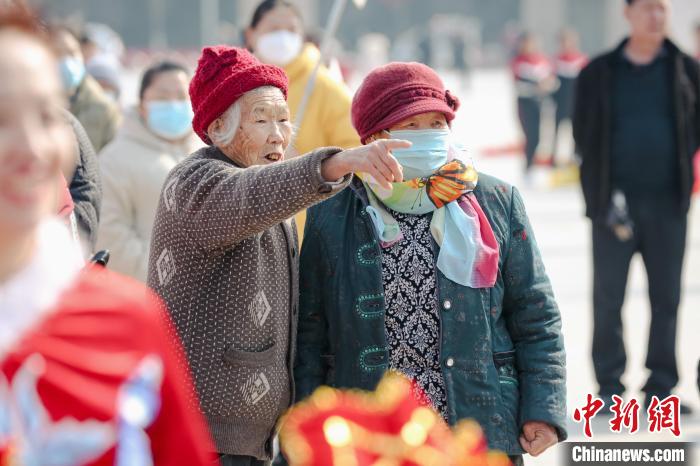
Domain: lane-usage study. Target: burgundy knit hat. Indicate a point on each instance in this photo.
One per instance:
(223, 75)
(394, 92)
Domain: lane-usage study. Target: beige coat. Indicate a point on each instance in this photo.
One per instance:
(134, 166)
(99, 116)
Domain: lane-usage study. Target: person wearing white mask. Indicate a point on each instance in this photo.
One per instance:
(155, 136)
(99, 115)
(276, 37)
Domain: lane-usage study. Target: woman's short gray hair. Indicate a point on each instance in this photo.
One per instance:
(231, 121)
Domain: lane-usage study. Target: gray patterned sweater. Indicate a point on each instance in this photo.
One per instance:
(225, 262)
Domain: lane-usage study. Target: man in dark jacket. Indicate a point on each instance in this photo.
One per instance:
(637, 126)
(86, 185)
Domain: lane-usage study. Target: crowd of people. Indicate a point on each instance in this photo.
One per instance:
(270, 233)
(537, 78)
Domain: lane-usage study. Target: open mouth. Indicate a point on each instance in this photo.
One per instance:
(273, 156)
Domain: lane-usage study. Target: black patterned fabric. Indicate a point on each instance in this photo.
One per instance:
(412, 317)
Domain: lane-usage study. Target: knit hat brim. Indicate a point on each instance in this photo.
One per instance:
(407, 111)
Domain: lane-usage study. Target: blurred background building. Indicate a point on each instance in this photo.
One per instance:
(486, 26)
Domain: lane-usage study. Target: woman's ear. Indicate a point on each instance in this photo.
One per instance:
(248, 37)
(214, 127)
(143, 111)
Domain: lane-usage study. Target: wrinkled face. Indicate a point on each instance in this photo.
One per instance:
(648, 19)
(281, 18)
(265, 130)
(36, 143)
(166, 86)
(430, 120)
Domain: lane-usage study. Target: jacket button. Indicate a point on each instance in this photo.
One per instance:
(447, 305)
(449, 362)
(496, 419)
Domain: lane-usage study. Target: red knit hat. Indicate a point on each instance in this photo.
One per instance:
(223, 75)
(394, 92)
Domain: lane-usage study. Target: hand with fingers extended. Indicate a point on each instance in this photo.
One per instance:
(537, 437)
(375, 159)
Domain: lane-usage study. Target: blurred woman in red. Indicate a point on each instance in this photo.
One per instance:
(86, 374)
(534, 79)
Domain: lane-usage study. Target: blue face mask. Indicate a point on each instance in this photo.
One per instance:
(72, 72)
(427, 154)
(170, 119)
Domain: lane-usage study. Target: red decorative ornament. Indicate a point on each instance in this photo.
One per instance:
(388, 427)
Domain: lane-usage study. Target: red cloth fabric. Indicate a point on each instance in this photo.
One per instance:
(223, 75)
(570, 64)
(394, 92)
(98, 333)
(65, 201)
(532, 67)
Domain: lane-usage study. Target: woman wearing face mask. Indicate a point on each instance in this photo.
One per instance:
(276, 36)
(439, 278)
(99, 115)
(155, 136)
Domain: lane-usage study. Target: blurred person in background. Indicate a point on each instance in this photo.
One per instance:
(154, 137)
(106, 73)
(85, 187)
(87, 373)
(396, 279)
(96, 112)
(276, 36)
(567, 65)
(637, 126)
(88, 46)
(534, 80)
(224, 254)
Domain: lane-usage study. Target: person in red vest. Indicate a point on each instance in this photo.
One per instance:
(88, 375)
(567, 65)
(534, 79)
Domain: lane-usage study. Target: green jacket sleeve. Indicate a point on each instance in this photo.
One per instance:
(534, 323)
(309, 369)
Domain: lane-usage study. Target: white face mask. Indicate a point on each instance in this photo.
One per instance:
(279, 47)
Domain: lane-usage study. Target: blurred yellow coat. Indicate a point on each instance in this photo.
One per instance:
(327, 116)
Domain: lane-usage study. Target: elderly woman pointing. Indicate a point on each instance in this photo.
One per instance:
(224, 256)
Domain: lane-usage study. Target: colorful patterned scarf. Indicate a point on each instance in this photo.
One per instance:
(468, 248)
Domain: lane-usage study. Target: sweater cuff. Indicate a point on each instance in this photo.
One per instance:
(323, 186)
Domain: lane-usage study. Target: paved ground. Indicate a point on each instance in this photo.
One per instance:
(563, 235)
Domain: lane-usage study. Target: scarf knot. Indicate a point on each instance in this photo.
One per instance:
(468, 247)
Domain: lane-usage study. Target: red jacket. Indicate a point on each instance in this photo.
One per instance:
(569, 65)
(96, 381)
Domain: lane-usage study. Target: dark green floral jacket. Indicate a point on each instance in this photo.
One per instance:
(501, 350)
